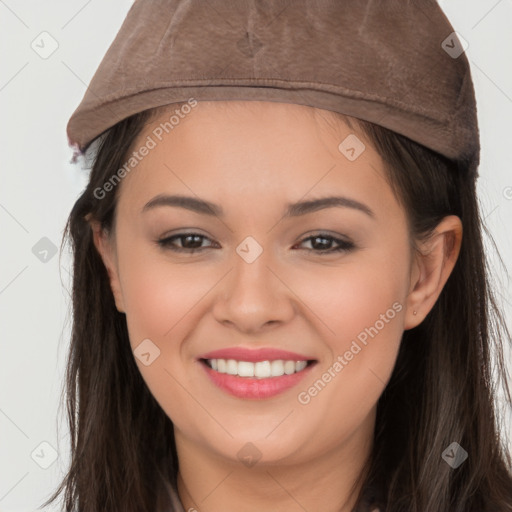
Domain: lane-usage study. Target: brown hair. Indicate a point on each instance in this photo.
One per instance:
(441, 389)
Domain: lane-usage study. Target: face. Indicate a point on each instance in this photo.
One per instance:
(308, 299)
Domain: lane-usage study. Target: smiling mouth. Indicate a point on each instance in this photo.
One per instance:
(257, 370)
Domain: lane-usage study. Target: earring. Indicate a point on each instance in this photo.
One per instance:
(414, 312)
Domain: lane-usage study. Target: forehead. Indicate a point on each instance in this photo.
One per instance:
(253, 151)
(256, 114)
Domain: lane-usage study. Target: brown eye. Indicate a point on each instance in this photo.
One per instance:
(190, 242)
(322, 244)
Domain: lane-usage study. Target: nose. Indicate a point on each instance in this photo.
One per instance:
(254, 295)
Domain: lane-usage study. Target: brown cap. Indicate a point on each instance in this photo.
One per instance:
(396, 63)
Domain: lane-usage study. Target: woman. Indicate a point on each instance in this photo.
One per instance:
(281, 298)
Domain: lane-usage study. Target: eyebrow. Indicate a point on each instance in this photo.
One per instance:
(292, 209)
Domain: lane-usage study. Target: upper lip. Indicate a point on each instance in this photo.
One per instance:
(255, 355)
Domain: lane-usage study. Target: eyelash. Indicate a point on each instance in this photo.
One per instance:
(344, 245)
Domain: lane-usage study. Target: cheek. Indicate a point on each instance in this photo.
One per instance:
(365, 312)
(162, 301)
(361, 299)
(158, 293)
(368, 306)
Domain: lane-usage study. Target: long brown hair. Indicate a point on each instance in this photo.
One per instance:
(441, 390)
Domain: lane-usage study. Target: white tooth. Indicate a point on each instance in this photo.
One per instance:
(231, 367)
(262, 369)
(245, 369)
(300, 365)
(289, 367)
(221, 365)
(277, 368)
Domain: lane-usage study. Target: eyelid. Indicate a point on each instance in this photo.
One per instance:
(344, 244)
(165, 241)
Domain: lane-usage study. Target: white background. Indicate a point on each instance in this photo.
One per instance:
(39, 186)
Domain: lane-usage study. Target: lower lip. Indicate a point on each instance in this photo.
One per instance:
(255, 389)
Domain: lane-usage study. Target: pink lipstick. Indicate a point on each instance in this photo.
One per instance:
(255, 373)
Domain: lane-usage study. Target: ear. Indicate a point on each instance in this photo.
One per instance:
(431, 269)
(105, 247)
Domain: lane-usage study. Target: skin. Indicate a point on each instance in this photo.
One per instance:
(253, 158)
